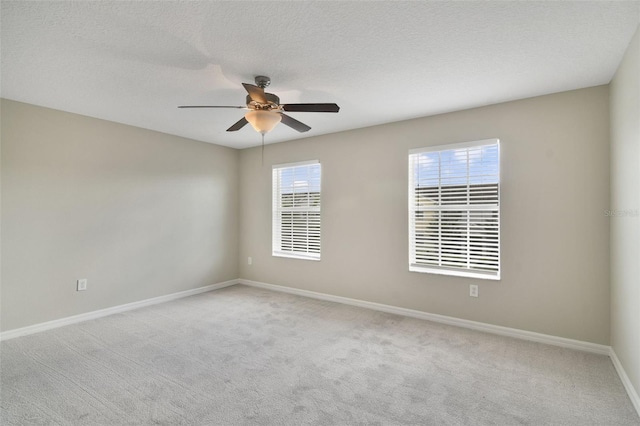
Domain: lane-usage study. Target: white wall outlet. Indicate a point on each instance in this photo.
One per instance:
(473, 290)
(81, 285)
(249, 260)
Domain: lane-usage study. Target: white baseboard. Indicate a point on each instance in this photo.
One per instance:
(474, 325)
(631, 391)
(488, 328)
(36, 328)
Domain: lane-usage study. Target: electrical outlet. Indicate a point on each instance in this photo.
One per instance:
(249, 260)
(81, 285)
(473, 290)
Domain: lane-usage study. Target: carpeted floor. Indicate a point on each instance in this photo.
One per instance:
(246, 356)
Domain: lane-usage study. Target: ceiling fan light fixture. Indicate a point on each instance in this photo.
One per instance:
(263, 121)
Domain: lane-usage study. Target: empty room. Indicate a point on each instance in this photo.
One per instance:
(320, 213)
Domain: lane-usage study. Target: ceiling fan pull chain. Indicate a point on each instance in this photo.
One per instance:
(262, 149)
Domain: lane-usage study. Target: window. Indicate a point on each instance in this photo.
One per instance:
(296, 210)
(454, 209)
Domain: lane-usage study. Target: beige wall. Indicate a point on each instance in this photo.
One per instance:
(142, 214)
(555, 236)
(625, 197)
(138, 213)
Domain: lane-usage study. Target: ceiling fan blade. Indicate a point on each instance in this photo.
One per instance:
(255, 93)
(238, 125)
(210, 106)
(294, 124)
(311, 107)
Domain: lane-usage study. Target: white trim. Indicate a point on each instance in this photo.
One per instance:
(277, 211)
(474, 325)
(468, 273)
(36, 328)
(631, 391)
(492, 141)
(296, 255)
(434, 266)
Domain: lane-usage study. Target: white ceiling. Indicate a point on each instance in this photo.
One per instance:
(134, 62)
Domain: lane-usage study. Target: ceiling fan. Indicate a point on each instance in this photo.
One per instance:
(266, 111)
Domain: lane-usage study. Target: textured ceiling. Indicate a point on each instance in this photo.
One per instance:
(134, 62)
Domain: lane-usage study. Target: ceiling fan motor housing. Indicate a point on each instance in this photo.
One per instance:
(273, 100)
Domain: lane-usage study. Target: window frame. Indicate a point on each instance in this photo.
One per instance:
(276, 245)
(443, 270)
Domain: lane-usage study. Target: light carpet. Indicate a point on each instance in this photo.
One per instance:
(247, 356)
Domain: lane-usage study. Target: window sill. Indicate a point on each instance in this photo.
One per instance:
(295, 256)
(455, 273)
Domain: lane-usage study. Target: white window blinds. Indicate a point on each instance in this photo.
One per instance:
(454, 209)
(296, 210)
